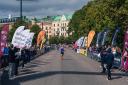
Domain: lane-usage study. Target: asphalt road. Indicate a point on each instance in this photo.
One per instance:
(75, 69)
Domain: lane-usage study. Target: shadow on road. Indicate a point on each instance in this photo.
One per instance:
(38, 75)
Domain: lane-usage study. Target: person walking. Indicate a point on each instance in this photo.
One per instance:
(62, 52)
(109, 61)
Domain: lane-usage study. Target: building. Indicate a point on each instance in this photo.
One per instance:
(12, 20)
(55, 25)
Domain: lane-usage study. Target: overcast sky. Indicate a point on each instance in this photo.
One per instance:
(40, 8)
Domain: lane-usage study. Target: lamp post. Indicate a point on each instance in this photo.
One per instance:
(21, 8)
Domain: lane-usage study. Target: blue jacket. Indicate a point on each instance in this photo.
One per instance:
(6, 51)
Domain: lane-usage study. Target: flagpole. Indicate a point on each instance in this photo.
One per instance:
(21, 11)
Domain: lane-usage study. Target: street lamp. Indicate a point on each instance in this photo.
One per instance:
(21, 8)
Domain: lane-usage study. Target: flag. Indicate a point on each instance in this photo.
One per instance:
(98, 39)
(90, 37)
(114, 39)
(3, 37)
(22, 37)
(80, 41)
(105, 33)
(124, 62)
(39, 37)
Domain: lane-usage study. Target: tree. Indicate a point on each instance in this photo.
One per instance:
(14, 27)
(54, 40)
(97, 15)
(36, 29)
(61, 40)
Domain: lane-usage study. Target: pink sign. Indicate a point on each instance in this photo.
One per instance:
(124, 63)
(3, 37)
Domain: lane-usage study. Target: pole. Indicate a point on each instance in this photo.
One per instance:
(21, 11)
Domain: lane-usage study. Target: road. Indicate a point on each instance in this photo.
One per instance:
(75, 69)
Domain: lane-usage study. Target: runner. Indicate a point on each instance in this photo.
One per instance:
(62, 52)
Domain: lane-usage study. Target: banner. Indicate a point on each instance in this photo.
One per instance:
(79, 42)
(98, 39)
(22, 38)
(124, 62)
(3, 37)
(17, 36)
(40, 37)
(43, 41)
(29, 40)
(114, 39)
(90, 38)
(101, 36)
(84, 42)
(105, 32)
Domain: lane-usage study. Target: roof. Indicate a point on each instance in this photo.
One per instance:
(57, 18)
(53, 18)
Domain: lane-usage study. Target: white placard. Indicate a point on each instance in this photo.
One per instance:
(22, 38)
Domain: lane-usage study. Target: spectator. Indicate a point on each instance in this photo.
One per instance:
(11, 61)
(109, 61)
(6, 55)
(17, 59)
(103, 58)
(23, 57)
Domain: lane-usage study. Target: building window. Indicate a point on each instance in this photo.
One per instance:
(58, 24)
(50, 36)
(46, 28)
(54, 25)
(57, 29)
(49, 27)
(49, 31)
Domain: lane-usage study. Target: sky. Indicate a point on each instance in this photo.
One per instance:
(40, 8)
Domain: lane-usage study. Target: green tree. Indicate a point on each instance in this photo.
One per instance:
(14, 27)
(97, 15)
(36, 29)
(54, 40)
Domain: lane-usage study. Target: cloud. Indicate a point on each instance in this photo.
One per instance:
(40, 7)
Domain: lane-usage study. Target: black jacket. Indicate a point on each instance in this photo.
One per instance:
(110, 58)
(11, 55)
